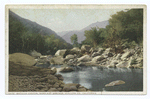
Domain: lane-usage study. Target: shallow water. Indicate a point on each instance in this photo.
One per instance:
(95, 78)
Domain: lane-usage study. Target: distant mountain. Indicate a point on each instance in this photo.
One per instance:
(33, 27)
(80, 33)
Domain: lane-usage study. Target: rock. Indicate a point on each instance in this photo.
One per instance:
(85, 48)
(59, 89)
(58, 60)
(114, 83)
(68, 57)
(100, 50)
(59, 76)
(43, 57)
(51, 77)
(84, 58)
(60, 52)
(54, 70)
(92, 50)
(111, 66)
(22, 59)
(113, 63)
(40, 86)
(96, 54)
(90, 63)
(118, 57)
(81, 89)
(110, 55)
(35, 54)
(52, 89)
(71, 87)
(123, 64)
(75, 50)
(67, 69)
(98, 58)
(127, 54)
(41, 79)
(56, 85)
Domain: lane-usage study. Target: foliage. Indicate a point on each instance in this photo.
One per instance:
(21, 39)
(74, 40)
(93, 36)
(125, 30)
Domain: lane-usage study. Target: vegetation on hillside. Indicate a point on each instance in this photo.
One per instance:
(22, 39)
(125, 29)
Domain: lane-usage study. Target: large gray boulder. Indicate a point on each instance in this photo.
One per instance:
(58, 60)
(71, 87)
(75, 50)
(98, 58)
(84, 58)
(60, 52)
(35, 54)
(126, 64)
(85, 48)
(22, 59)
(114, 83)
(66, 69)
(68, 57)
(96, 54)
(127, 54)
(90, 63)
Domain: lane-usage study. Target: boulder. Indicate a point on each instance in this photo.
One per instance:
(60, 52)
(81, 89)
(68, 57)
(85, 48)
(35, 54)
(100, 50)
(114, 83)
(67, 69)
(75, 50)
(127, 54)
(98, 58)
(71, 87)
(90, 63)
(56, 60)
(96, 54)
(84, 58)
(114, 63)
(92, 50)
(110, 55)
(60, 77)
(22, 59)
(54, 70)
(124, 64)
(118, 57)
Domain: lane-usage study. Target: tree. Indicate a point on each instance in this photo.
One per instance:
(74, 40)
(128, 24)
(94, 36)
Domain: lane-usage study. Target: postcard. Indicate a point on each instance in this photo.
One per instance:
(76, 49)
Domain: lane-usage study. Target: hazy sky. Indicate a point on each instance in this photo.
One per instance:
(65, 19)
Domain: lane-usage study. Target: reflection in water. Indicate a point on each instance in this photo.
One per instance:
(95, 78)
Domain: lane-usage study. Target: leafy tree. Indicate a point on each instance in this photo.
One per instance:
(74, 40)
(94, 36)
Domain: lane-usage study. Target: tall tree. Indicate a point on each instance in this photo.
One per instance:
(74, 40)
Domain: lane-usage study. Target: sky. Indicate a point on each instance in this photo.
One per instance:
(65, 19)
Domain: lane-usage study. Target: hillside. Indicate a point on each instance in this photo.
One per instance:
(33, 27)
(26, 36)
(80, 33)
